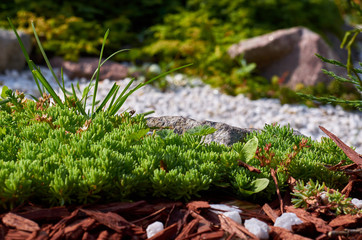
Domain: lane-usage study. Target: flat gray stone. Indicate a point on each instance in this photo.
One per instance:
(225, 134)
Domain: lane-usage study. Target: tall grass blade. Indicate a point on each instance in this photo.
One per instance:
(77, 102)
(47, 86)
(44, 55)
(98, 70)
(120, 101)
(109, 95)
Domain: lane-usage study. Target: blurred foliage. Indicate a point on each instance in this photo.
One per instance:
(175, 33)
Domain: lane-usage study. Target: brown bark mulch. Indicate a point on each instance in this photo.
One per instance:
(193, 221)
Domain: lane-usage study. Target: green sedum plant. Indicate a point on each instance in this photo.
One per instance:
(54, 152)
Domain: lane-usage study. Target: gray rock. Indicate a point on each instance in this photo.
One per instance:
(85, 68)
(290, 55)
(225, 134)
(11, 56)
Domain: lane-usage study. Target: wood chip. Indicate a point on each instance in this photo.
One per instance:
(213, 235)
(270, 212)
(188, 229)
(349, 221)
(165, 234)
(20, 223)
(282, 233)
(14, 234)
(351, 154)
(196, 205)
(47, 215)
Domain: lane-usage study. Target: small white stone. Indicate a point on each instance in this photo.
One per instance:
(258, 228)
(154, 228)
(234, 215)
(287, 220)
(221, 208)
(357, 202)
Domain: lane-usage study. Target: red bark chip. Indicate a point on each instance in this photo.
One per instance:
(14, 234)
(165, 234)
(306, 229)
(284, 234)
(111, 220)
(270, 212)
(213, 235)
(346, 221)
(20, 223)
(50, 214)
(118, 207)
(196, 205)
(188, 229)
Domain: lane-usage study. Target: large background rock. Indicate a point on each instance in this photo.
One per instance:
(225, 134)
(85, 68)
(289, 54)
(11, 56)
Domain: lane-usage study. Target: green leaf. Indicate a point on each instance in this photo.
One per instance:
(248, 151)
(3, 91)
(202, 130)
(255, 186)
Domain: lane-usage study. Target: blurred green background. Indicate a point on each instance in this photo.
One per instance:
(177, 32)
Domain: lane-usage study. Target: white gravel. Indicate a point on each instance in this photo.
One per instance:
(201, 102)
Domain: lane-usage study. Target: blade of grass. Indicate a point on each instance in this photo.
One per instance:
(28, 61)
(47, 86)
(77, 102)
(109, 95)
(111, 108)
(98, 70)
(122, 99)
(44, 55)
(114, 97)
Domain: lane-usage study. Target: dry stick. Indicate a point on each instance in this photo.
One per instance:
(272, 171)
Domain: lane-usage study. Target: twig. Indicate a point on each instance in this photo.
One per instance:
(273, 173)
(345, 232)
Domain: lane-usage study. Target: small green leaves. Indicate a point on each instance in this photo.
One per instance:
(201, 130)
(165, 133)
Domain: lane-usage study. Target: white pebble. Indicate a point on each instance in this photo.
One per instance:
(357, 202)
(258, 228)
(287, 220)
(234, 215)
(221, 208)
(154, 228)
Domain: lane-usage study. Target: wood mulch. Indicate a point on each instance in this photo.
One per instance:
(193, 221)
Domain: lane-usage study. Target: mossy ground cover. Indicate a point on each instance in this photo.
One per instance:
(55, 156)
